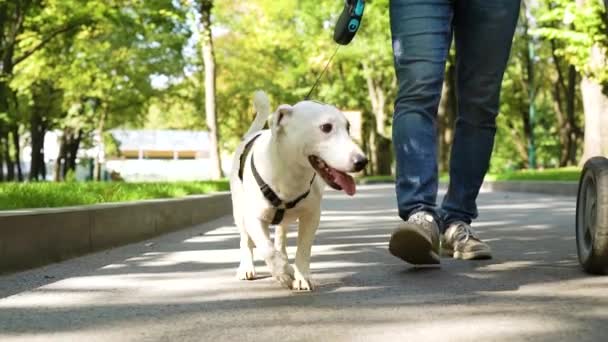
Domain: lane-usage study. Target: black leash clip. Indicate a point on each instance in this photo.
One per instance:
(349, 21)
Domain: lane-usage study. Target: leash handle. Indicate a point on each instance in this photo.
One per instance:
(349, 21)
(347, 26)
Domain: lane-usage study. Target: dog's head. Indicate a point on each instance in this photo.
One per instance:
(318, 134)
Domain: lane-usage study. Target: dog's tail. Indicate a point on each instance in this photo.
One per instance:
(261, 103)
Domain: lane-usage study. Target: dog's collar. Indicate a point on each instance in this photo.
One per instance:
(273, 198)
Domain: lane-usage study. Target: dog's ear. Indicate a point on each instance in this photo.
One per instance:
(281, 117)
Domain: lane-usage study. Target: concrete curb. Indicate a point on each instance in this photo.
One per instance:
(31, 238)
(559, 188)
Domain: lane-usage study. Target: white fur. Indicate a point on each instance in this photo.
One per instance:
(281, 158)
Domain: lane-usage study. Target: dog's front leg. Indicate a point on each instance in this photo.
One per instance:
(280, 238)
(307, 228)
(280, 242)
(246, 270)
(276, 261)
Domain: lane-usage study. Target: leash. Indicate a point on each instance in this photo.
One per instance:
(347, 26)
(322, 72)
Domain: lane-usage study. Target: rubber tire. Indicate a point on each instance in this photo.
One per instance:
(592, 249)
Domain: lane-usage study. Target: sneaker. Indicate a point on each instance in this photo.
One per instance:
(417, 240)
(461, 242)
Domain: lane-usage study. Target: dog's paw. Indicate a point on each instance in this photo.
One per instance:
(302, 284)
(289, 269)
(245, 272)
(277, 263)
(286, 280)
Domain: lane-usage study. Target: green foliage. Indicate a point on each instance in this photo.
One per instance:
(281, 47)
(111, 145)
(90, 65)
(104, 66)
(48, 195)
(579, 27)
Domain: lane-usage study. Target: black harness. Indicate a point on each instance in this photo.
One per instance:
(267, 191)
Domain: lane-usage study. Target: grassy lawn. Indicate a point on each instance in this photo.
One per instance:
(48, 195)
(560, 174)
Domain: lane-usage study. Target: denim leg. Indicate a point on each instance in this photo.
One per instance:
(483, 31)
(421, 36)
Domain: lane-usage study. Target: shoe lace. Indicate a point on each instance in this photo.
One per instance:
(464, 232)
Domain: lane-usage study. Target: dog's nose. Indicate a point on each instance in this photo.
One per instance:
(359, 162)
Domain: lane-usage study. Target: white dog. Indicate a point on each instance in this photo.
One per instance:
(278, 177)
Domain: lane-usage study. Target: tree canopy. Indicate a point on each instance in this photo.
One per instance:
(84, 67)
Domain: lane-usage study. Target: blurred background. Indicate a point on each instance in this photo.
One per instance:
(161, 90)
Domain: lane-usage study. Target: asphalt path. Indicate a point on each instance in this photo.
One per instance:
(181, 286)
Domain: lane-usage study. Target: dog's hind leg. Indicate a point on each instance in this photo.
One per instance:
(276, 261)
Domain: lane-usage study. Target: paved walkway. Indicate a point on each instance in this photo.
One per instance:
(182, 286)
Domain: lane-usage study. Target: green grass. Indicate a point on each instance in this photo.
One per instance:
(49, 195)
(559, 174)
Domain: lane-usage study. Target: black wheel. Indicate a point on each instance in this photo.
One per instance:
(592, 216)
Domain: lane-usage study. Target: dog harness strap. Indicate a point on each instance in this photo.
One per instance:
(271, 196)
(295, 202)
(278, 216)
(244, 155)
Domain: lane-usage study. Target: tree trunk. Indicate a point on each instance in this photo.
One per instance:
(37, 132)
(16, 136)
(595, 105)
(381, 144)
(60, 162)
(529, 122)
(2, 178)
(1, 163)
(446, 116)
(575, 134)
(100, 142)
(73, 143)
(10, 164)
(564, 99)
(210, 81)
(366, 123)
(3, 128)
(17, 145)
(373, 151)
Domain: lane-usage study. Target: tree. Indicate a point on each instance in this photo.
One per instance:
(584, 39)
(102, 73)
(25, 29)
(446, 115)
(595, 100)
(206, 42)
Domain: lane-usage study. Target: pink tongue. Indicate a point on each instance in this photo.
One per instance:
(345, 181)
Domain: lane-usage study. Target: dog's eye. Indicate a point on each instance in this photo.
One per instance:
(326, 128)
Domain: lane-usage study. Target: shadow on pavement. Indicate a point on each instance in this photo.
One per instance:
(184, 285)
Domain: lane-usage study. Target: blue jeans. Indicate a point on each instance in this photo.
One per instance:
(422, 34)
